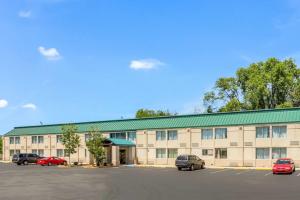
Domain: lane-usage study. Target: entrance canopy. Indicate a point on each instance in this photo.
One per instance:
(117, 142)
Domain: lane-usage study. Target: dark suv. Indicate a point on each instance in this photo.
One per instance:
(191, 162)
(25, 158)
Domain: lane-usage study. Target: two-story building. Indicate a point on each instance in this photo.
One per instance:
(248, 138)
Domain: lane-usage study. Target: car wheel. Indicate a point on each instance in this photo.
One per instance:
(294, 169)
(179, 168)
(25, 162)
(18, 163)
(202, 166)
(192, 168)
(49, 164)
(65, 163)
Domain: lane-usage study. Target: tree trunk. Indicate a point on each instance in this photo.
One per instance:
(69, 160)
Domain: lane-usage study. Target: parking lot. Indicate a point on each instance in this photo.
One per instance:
(36, 182)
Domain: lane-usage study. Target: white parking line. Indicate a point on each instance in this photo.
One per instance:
(242, 172)
(268, 174)
(219, 171)
(298, 174)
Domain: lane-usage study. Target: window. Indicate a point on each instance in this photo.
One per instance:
(58, 138)
(131, 135)
(279, 131)
(11, 140)
(35, 151)
(221, 153)
(262, 132)
(59, 152)
(121, 135)
(207, 152)
(18, 151)
(40, 139)
(221, 133)
(87, 137)
(172, 135)
(41, 152)
(160, 153)
(207, 134)
(66, 154)
(17, 140)
(262, 153)
(11, 152)
(160, 135)
(278, 153)
(34, 139)
(172, 153)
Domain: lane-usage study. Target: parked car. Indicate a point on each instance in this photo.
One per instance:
(51, 161)
(284, 166)
(25, 158)
(191, 162)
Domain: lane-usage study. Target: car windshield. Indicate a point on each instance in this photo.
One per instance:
(283, 162)
(182, 158)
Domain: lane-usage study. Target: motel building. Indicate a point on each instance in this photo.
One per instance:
(247, 138)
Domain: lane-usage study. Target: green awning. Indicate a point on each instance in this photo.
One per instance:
(118, 142)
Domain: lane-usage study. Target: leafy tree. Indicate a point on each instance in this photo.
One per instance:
(262, 85)
(143, 113)
(70, 139)
(95, 145)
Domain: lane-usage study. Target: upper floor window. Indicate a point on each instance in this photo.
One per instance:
(131, 135)
(58, 138)
(279, 131)
(11, 140)
(221, 133)
(207, 134)
(34, 139)
(40, 139)
(17, 140)
(121, 135)
(262, 132)
(172, 135)
(160, 135)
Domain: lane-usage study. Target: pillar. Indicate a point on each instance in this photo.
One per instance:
(115, 157)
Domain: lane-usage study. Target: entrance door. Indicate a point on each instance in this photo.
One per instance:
(122, 156)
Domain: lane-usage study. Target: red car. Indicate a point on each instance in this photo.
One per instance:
(51, 161)
(284, 166)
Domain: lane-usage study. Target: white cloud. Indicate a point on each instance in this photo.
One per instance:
(25, 13)
(145, 64)
(3, 103)
(29, 106)
(50, 54)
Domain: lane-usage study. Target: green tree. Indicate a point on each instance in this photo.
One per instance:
(70, 139)
(262, 85)
(144, 113)
(95, 145)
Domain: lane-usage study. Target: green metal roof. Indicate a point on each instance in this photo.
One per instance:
(121, 142)
(290, 115)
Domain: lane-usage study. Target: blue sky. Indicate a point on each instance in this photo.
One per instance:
(84, 60)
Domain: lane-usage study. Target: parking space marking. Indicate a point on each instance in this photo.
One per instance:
(268, 174)
(219, 171)
(298, 174)
(242, 172)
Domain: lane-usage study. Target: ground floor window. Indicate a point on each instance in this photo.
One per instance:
(221, 153)
(160, 153)
(207, 152)
(66, 154)
(11, 152)
(278, 153)
(172, 153)
(262, 153)
(41, 152)
(59, 152)
(35, 151)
